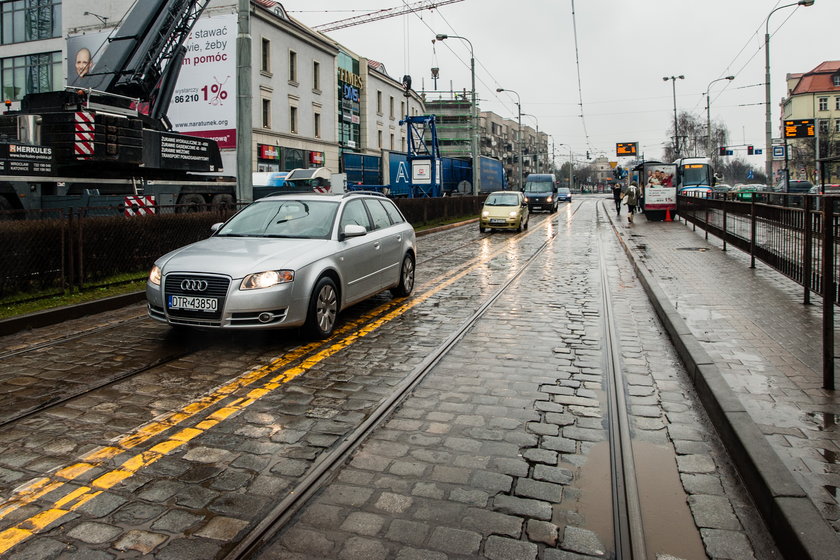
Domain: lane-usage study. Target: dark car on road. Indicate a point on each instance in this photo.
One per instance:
(541, 192)
(564, 195)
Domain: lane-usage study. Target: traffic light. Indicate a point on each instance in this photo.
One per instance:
(587, 154)
(749, 150)
(722, 151)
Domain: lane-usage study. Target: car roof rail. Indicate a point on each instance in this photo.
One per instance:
(376, 193)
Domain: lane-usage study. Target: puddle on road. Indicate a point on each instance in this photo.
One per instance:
(669, 526)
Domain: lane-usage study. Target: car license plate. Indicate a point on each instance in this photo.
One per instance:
(537, 207)
(193, 303)
(497, 221)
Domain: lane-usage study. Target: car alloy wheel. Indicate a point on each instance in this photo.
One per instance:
(323, 308)
(406, 284)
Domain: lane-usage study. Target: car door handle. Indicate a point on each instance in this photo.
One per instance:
(399, 238)
(376, 245)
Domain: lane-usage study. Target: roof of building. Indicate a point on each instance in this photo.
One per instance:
(817, 80)
(377, 66)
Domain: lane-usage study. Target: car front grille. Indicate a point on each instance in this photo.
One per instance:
(217, 287)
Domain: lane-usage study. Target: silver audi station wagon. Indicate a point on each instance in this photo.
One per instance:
(287, 260)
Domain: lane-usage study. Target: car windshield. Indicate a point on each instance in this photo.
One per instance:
(502, 200)
(537, 186)
(563, 190)
(300, 219)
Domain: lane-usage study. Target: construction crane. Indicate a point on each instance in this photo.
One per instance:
(383, 14)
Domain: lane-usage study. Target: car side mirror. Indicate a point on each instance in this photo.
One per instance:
(215, 227)
(353, 230)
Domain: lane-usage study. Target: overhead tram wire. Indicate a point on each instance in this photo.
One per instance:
(728, 84)
(580, 89)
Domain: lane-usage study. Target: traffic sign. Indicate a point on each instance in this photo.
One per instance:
(626, 149)
(801, 128)
(778, 152)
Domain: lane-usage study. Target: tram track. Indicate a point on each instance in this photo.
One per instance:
(237, 392)
(328, 465)
(628, 529)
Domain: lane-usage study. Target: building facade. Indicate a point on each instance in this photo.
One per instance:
(814, 95)
(386, 103)
(311, 98)
(295, 93)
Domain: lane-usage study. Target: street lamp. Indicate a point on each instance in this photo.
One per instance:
(537, 155)
(676, 132)
(768, 134)
(709, 116)
(519, 113)
(476, 159)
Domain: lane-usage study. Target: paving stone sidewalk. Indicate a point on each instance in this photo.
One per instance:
(766, 344)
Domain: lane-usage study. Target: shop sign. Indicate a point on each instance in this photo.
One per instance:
(316, 157)
(267, 151)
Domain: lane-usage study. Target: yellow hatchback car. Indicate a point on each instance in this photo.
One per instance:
(504, 210)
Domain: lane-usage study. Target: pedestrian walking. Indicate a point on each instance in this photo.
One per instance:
(632, 199)
(616, 190)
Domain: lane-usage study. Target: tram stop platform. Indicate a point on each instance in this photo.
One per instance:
(753, 349)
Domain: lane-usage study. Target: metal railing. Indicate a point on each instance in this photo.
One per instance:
(788, 233)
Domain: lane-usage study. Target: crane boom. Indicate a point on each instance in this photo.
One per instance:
(382, 14)
(136, 57)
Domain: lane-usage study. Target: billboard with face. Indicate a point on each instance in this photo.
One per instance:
(658, 186)
(204, 99)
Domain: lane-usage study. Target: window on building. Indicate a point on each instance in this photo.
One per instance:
(823, 126)
(265, 64)
(837, 103)
(391, 107)
(317, 125)
(402, 144)
(266, 113)
(32, 73)
(835, 79)
(293, 113)
(392, 142)
(30, 20)
(836, 125)
(379, 138)
(823, 101)
(316, 75)
(402, 109)
(292, 66)
(379, 102)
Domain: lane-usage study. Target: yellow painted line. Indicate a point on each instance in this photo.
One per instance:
(20, 532)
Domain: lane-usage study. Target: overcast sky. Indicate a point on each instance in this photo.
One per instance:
(625, 48)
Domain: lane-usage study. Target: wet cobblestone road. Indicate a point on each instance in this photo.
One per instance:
(499, 453)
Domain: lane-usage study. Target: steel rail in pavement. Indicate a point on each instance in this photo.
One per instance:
(321, 473)
(627, 513)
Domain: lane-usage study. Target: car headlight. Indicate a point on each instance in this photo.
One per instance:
(266, 279)
(154, 275)
(548, 200)
(514, 214)
(485, 213)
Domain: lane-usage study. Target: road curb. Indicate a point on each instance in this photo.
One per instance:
(798, 528)
(68, 312)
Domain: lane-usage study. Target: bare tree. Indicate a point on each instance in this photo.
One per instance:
(692, 131)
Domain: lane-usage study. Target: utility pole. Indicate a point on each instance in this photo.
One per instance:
(244, 122)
